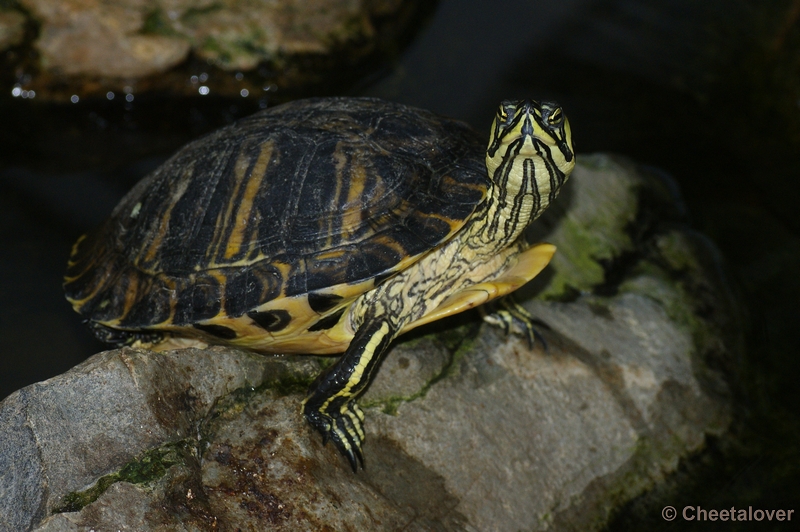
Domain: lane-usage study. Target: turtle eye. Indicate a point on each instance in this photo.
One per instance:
(556, 117)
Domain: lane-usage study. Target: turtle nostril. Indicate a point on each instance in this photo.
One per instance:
(527, 128)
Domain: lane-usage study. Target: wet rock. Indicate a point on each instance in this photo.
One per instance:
(94, 46)
(467, 428)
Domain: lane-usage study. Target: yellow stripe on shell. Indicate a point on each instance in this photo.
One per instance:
(72, 254)
(351, 211)
(234, 244)
(159, 226)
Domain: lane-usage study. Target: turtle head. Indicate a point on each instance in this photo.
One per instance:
(530, 150)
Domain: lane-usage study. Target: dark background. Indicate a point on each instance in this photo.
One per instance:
(707, 91)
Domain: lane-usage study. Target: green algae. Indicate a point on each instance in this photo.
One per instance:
(145, 469)
(594, 230)
(458, 341)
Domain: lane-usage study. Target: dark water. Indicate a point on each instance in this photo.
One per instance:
(708, 91)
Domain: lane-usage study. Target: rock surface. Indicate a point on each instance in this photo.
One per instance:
(101, 39)
(94, 46)
(467, 429)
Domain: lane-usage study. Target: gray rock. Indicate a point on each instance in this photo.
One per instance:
(467, 429)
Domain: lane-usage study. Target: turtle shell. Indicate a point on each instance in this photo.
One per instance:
(307, 204)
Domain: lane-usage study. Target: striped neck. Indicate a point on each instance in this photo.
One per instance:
(529, 158)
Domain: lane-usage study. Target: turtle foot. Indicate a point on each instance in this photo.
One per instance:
(345, 428)
(512, 317)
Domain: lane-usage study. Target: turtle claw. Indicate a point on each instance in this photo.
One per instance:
(512, 317)
(344, 428)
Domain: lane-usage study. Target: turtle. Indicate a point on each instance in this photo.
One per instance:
(326, 226)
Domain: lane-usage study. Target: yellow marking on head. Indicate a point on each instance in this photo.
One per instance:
(529, 157)
(535, 124)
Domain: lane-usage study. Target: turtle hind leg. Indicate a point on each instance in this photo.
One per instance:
(330, 406)
(512, 317)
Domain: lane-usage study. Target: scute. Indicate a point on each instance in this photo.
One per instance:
(291, 201)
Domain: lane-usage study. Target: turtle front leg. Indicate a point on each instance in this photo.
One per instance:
(330, 406)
